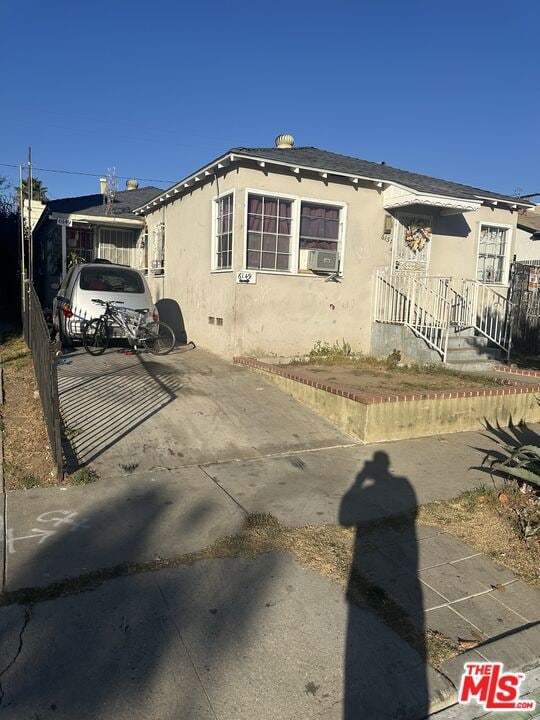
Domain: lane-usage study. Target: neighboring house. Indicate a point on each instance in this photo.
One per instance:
(269, 250)
(80, 229)
(527, 246)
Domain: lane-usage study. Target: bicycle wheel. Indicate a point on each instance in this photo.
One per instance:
(95, 336)
(158, 338)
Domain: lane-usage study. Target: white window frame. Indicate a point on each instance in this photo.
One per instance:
(215, 206)
(297, 201)
(157, 271)
(506, 265)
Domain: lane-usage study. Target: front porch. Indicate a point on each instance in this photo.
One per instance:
(461, 322)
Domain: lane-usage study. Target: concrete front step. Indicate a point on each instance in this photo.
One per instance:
(463, 354)
(464, 341)
(477, 365)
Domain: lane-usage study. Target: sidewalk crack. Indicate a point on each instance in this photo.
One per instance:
(186, 649)
(27, 618)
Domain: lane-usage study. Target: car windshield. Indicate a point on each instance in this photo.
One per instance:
(111, 280)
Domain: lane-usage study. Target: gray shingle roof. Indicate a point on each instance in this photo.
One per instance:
(124, 203)
(312, 157)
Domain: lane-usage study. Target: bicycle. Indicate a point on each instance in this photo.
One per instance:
(156, 337)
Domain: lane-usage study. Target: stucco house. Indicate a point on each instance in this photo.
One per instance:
(80, 229)
(269, 250)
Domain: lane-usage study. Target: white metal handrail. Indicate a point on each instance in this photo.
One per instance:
(430, 306)
(416, 301)
(482, 307)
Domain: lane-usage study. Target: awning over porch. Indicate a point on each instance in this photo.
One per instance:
(399, 197)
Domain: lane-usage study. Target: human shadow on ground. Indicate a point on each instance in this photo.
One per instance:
(385, 672)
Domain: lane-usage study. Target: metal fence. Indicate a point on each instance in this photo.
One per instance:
(525, 293)
(36, 335)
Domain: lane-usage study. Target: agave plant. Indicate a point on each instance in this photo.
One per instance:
(522, 464)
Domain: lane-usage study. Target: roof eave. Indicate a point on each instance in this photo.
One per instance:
(197, 179)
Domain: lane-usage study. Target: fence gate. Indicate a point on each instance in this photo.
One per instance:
(525, 298)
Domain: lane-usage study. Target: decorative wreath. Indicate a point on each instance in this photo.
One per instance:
(416, 237)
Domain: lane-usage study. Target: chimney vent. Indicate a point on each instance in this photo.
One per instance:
(284, 141)
(132, 184)
(103, 185)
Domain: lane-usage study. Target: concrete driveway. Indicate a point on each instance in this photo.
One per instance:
(127, 413)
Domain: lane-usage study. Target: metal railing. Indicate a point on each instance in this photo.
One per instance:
(36, 335)
(418, 302)
(480, 306)
(431, 306)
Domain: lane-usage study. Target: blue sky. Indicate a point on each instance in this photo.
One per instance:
(446, 88)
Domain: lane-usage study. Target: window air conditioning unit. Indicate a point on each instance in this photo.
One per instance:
(323, 261)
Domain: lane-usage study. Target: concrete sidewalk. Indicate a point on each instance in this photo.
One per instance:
(164, 513)
(230, 639)
(259, 637)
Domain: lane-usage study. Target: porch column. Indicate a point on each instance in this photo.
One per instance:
(64, 253)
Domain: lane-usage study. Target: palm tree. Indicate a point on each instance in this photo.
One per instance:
(39, 191)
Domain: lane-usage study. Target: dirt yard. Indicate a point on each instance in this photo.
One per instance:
(27, 457)
(366, 375)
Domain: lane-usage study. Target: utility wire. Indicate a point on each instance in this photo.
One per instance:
(88, 174)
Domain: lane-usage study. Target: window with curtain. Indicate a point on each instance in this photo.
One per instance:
(269, 227)
(492, 252)
(319, 227)
(224, 232)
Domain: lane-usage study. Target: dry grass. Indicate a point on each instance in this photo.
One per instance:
(28, 461)
(487, 520)
(365, 374)
(27, 458)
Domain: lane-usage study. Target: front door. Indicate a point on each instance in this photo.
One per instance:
(411, 241)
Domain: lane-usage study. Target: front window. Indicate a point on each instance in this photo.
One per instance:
(79, 245)
(269, 228)
(118, 246)
(492, 252)
(224, 232)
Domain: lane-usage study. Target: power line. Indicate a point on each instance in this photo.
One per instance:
(87, 174)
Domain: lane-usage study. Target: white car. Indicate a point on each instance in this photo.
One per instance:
(73, 305)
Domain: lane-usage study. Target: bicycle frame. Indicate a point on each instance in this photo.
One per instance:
(129, 320)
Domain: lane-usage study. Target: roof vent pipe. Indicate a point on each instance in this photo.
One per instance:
(103, 185)
(284, 141)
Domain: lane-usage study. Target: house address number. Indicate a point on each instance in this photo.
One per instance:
(246, 277)
(66, 222)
